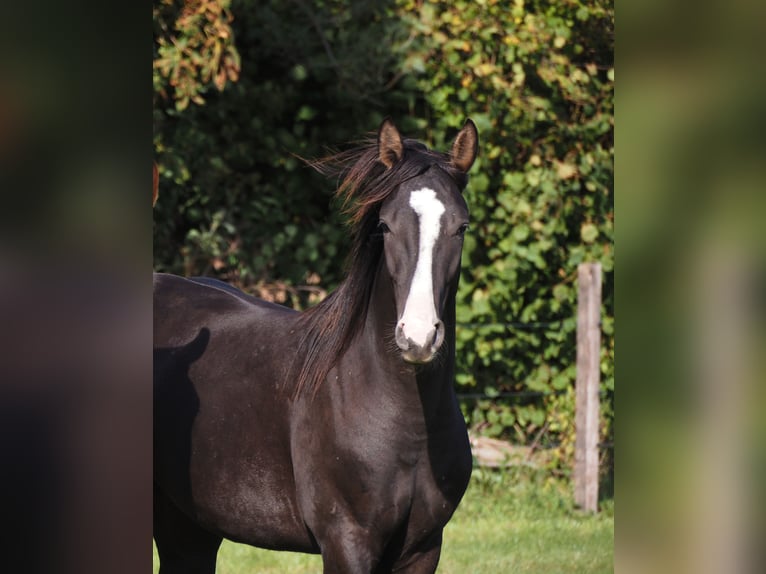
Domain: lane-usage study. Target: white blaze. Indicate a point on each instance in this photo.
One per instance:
(419, 317)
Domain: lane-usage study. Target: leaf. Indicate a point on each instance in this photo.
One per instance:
(565, 170)
(520, 232)
(561, 292)
(306, 113)
(588, 232)
(560, 381)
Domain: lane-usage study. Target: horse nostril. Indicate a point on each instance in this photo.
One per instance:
(401, 339)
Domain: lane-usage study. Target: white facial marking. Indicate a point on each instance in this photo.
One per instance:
(419, 315)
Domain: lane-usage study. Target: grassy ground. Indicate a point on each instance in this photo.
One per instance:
(507, 522)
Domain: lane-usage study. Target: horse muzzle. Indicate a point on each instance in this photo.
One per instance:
(420, 352)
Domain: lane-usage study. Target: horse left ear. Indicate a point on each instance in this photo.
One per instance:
(466, 147)
(390, 147)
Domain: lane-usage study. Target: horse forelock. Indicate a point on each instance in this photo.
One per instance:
(367, 183)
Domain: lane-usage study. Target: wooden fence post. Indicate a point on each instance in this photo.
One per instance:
(587, 385)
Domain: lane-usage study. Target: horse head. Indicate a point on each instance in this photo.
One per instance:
(423, 223)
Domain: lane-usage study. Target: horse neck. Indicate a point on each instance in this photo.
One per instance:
(431, 385)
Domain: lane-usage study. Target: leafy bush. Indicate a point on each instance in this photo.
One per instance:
(235, 200)
(537, 78)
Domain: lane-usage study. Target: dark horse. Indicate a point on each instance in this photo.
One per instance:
(336, 430)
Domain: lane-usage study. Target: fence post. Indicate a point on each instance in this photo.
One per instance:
(587, 386)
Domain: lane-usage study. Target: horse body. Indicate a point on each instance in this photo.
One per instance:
(367, 463)
(208, 385)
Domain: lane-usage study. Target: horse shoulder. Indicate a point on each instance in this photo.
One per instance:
(217, 335)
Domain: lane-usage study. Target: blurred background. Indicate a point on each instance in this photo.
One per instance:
(691, 177)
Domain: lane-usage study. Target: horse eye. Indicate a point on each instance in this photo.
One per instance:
(383, 227)
(462, 229)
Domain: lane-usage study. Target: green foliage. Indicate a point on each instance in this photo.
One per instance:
(235, 200)
(197, 50)
(536, 77)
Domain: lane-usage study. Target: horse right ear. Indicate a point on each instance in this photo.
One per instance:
(390, 147)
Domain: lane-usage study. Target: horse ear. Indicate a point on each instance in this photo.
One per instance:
(390, 147)
(466, 147)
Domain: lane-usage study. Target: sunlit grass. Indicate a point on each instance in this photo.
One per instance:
(508, 522)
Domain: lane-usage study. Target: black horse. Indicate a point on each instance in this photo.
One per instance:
(336, 430)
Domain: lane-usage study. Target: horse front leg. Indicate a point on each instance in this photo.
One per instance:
(183, 547)
(423, 559)
(350, 549)
(357, 552)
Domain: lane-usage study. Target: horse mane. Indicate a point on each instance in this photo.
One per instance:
(328, 329)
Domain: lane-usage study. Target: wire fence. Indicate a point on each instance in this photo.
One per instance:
(544, 325)
(513, 325)
(554, 325)
(586, 326)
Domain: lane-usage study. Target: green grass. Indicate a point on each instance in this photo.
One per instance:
(507, 522)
